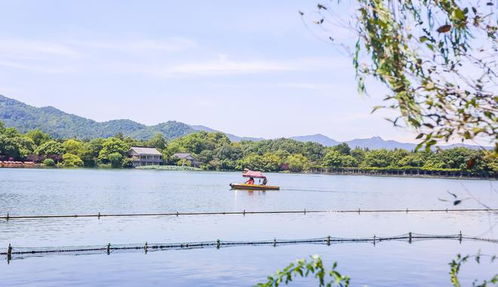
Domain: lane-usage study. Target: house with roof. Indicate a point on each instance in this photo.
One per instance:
(141, 156)
(187, 157)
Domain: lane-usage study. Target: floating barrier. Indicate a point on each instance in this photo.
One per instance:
(22, 252)
(244, 212)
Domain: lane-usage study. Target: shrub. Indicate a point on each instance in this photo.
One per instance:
(48, 162)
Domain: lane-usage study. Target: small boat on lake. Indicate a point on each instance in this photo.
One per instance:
(251, 185)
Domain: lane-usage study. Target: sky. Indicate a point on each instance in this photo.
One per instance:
(250, 68)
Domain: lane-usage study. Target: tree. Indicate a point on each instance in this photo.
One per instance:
(111, 148)
(73, 146)
(336, 159)
(416, 159)
(9, 148)
(378, 158)
(51, 147)
(115, 159)
(71, 160)
(342, 148)
(297, 162)
(436, 58)
(158, 141)
(48, 162)
(38, 137)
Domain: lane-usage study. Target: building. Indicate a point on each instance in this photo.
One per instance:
(145, 156)
(188, 157)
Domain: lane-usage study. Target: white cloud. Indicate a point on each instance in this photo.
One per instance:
(174, 44)
(225, 66)
(34, 49)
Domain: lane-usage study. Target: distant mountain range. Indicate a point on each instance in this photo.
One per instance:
(371, 143)
(63, 125)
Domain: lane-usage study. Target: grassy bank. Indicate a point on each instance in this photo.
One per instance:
(169, 167)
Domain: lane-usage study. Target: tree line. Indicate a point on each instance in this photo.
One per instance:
(215, 151)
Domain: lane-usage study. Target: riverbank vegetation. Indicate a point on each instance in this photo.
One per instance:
(214, 151)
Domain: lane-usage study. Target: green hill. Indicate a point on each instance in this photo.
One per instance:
(63, 125)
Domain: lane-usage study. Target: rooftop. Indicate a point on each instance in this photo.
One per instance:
(183, 155)
(145, 150)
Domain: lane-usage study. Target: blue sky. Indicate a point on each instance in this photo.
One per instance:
(251, 68)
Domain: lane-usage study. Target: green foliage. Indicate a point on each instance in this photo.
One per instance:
(304, 268)
(336, 159)
(214, 151)
(14, 145)
(169, 167)
(457, 263)
(113, 151)
(437, 59)
(38, 137)
(342, 148)
(183, 162)
(49, 162)
(158, 141)
(297, 163)
(59, 124)
(73, 146)
(71, 160)
(51, 147)
(115, 159)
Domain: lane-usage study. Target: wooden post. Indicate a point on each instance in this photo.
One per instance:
(218, 244)
(8, 216)
(328, 240)
(108, 248)
(244, 212)
(374, 239)
(359, 211)
(98, 216)
(9, 253)
(460, 237)
(177, 213)
(145, 247)
(409, 237)
(305, 211)
(274, 242)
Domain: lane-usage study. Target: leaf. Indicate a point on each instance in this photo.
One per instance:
(423, 39)
(375, 108)
(444, 29)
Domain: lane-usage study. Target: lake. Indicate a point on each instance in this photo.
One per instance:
(389, 263)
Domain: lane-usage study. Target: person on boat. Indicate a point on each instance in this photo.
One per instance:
(250, 181)
(265, 181)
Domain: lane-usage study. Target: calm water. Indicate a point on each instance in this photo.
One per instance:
(422, 263)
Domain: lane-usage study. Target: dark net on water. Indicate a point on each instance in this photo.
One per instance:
(14, 252)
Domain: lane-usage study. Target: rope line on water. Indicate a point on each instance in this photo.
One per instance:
(410, 237)
(244, 212)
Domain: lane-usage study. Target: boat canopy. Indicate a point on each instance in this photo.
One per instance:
(254, 174)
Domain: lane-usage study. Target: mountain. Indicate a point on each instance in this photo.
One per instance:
(317, 138)
(379, 143)
(63, 125)
(232, 137)
(371, 143)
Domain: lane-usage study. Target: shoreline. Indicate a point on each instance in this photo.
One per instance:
(362, 173)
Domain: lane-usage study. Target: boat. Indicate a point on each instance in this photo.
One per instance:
(253, 186)
(254, 174)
